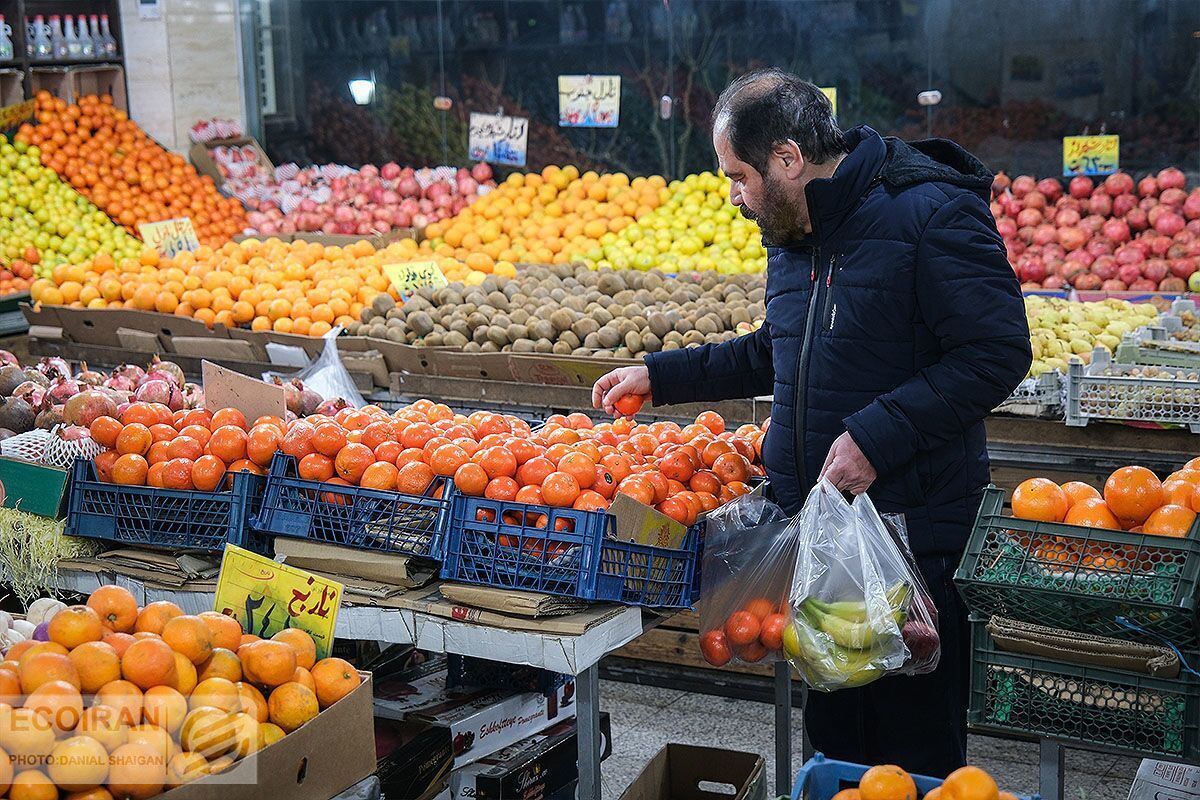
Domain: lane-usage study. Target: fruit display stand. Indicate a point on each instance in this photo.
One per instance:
(431, 623)
(12, 321)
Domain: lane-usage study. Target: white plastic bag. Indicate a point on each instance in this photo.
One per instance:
(327, 376)
(857, 601)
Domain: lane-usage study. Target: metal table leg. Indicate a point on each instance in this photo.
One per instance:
(587, 713)
(1050, 770)
(783, 729)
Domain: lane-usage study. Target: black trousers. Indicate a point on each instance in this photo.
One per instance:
(918, 723)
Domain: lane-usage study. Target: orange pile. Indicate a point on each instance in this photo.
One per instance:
(889, 782)
(186, 449)
(570, 462)
(128, 702)
(111, 161)
(538, 218)
(297, 287)
(1134, 500)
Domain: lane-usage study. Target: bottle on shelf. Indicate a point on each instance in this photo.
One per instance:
(74, 48)
(94, 35)
(43, 47)
(110, 42)
(6, 45)
(87, 48)
(58, 42)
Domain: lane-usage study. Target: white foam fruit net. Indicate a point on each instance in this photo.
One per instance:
(46, 447)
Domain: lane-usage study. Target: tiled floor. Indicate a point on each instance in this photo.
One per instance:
(644, 718)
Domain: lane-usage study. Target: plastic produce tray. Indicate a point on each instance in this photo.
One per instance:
(572, 553)
(1081, 579)
(146, 515)
(1036, 397)
(1126, 396)
(1126, 711)
(367, 519)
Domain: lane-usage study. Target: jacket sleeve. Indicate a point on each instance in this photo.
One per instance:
(969, 299)
(738, 368)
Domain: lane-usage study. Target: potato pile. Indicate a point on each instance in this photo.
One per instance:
(554, 309)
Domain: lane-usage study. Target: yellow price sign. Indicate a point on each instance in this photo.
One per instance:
(1091, 155)
(831, 93)
(408, 278)
(267, 597)
(170, 237)
(14, 115)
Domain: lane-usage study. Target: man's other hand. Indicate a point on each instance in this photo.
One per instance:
(846, 467)
(618, 383)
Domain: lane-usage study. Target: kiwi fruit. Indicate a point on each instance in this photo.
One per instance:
(570, 338)
(396, 335)
(609, 336)
(421, 323)
(455, 339)
(522, 346)
(633, 341)
(471, 347)
(498, 335)
(434, 340)
(562, 348)
(489, 347)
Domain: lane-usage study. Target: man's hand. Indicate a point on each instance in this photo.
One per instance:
(618, 383)
(846, 467)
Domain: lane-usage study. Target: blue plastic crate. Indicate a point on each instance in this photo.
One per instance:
(147, 515)
(500, 543)
(367, 519)
(821, 778)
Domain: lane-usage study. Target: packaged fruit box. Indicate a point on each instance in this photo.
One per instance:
(1090, 576)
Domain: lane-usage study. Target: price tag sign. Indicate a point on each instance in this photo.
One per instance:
(170, 237)
(1091, 155)
(589, 101)
(14, 115)
(498, 139)
(831, 93)
(408, 278)
(266, 597)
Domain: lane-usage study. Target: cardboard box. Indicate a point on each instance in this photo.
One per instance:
(12, 87)
(71, 83)
(359, 355)
(30, 487)
(541, 766)
(316, 762)
(201, 156)
(552, 370)
(474, 723)
(678, 772)
(378, 241)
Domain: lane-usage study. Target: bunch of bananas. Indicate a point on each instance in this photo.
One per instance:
(841, 645)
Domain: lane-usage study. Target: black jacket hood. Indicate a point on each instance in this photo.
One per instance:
(941, 160)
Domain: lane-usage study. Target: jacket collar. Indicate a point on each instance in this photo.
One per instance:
(831, 199)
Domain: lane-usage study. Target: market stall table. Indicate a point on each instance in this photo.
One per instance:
(572, 655)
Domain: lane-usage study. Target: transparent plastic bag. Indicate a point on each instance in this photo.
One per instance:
(858, 605)
(749, 556)
(327, 376)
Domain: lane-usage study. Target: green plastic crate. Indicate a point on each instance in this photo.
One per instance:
(1112, 709)
(1095, 577)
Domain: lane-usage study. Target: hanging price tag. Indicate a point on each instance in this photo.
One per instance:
(589, 101)
(14, 115)
(831, 93)
(498, 139)
(266, 597)
(408, 278)
(170, 237)
(1091, 155)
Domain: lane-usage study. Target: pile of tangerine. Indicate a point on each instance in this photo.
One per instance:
(570, 462)
(110, 160)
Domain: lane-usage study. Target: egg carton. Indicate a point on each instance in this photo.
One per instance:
(1105, 390)
(1040, 396)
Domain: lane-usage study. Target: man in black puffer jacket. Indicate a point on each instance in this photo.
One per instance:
(894, 325)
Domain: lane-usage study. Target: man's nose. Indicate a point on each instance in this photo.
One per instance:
(735, 195)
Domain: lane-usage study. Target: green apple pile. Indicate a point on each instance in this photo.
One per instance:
(695, 230)
(46, 222)
(1060, 329)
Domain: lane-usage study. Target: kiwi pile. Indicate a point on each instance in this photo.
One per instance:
(555, 309)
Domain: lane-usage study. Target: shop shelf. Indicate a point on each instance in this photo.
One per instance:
(1091, 706)
(367, 519)
(147, 515)
(564, 551)
(1081, 579)
(1103, 390)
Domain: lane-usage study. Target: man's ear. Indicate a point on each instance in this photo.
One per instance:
(790, 159)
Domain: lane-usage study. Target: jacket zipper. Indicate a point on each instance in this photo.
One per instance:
(802, 367)
(830, 307)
